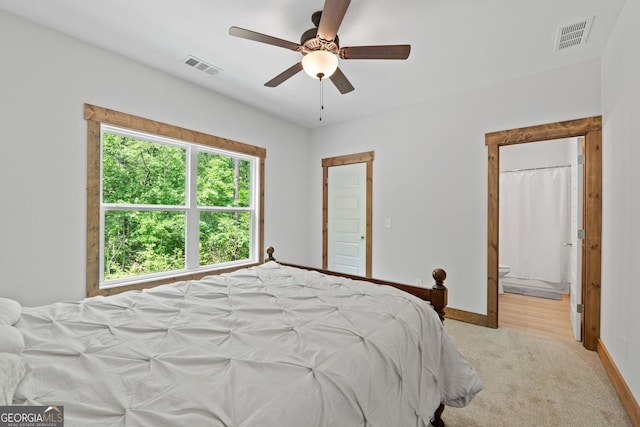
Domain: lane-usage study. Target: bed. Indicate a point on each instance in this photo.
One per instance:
(269, 345)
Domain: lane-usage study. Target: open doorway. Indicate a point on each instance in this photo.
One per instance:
(591, 129)
(540, 255)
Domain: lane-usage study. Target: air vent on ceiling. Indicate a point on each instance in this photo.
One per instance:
(574, 34)
(201, 65)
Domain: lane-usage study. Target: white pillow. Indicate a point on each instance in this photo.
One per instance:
(9, 311)
(12, 370)
(11, 340)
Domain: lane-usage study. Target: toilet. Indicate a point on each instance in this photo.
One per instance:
(503, 270)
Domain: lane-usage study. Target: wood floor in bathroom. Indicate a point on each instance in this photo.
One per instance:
(536, 315)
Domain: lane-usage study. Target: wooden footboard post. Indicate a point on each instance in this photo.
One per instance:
(437, 417)
(439, 293)
(270, 252)
(439, 300)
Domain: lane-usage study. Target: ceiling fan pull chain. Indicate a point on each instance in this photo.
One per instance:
(321, 97)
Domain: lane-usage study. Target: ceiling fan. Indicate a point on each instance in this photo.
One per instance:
(321, 49)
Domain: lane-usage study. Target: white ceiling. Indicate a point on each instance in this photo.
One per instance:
(456, 45)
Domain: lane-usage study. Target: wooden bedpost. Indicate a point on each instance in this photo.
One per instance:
(270, 252)
(437, 417)
(439, 293)
(439, 300)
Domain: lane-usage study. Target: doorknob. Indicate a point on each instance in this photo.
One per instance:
(361, 237)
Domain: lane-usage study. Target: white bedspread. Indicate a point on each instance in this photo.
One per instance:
(266, 346)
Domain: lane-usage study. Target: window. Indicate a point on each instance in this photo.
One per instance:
(166, 204)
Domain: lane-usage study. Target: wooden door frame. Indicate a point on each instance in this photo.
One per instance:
(366, 157)
(591, 129)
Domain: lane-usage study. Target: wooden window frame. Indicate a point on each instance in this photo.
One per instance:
(95, 117)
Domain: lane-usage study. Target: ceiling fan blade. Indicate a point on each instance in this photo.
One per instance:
(332, 14)
(395, 51)
(286, 74)
(262, 38)
(341, 82)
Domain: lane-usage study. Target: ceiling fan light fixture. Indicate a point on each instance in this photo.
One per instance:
(320, 64)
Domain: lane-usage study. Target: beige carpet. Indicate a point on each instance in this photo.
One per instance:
(531, 380)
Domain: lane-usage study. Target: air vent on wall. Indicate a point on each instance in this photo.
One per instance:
(201, 65)
(574, 34)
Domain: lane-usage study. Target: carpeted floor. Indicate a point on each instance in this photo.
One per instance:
(531, 380)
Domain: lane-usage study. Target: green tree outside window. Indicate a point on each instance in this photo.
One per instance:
(145, 201)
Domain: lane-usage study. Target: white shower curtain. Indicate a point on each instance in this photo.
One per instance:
(535, 223)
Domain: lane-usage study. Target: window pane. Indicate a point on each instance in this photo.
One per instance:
(224, 237)
(223, 181)
(142, 172)
(139, 242)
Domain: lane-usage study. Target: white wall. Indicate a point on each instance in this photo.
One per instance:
(430, 173)
(45, 79)
(621, 197)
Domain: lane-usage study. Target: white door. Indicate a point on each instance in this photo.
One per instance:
(576, 244)
(346, 218)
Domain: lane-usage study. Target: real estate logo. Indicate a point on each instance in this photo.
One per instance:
(31, 416)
